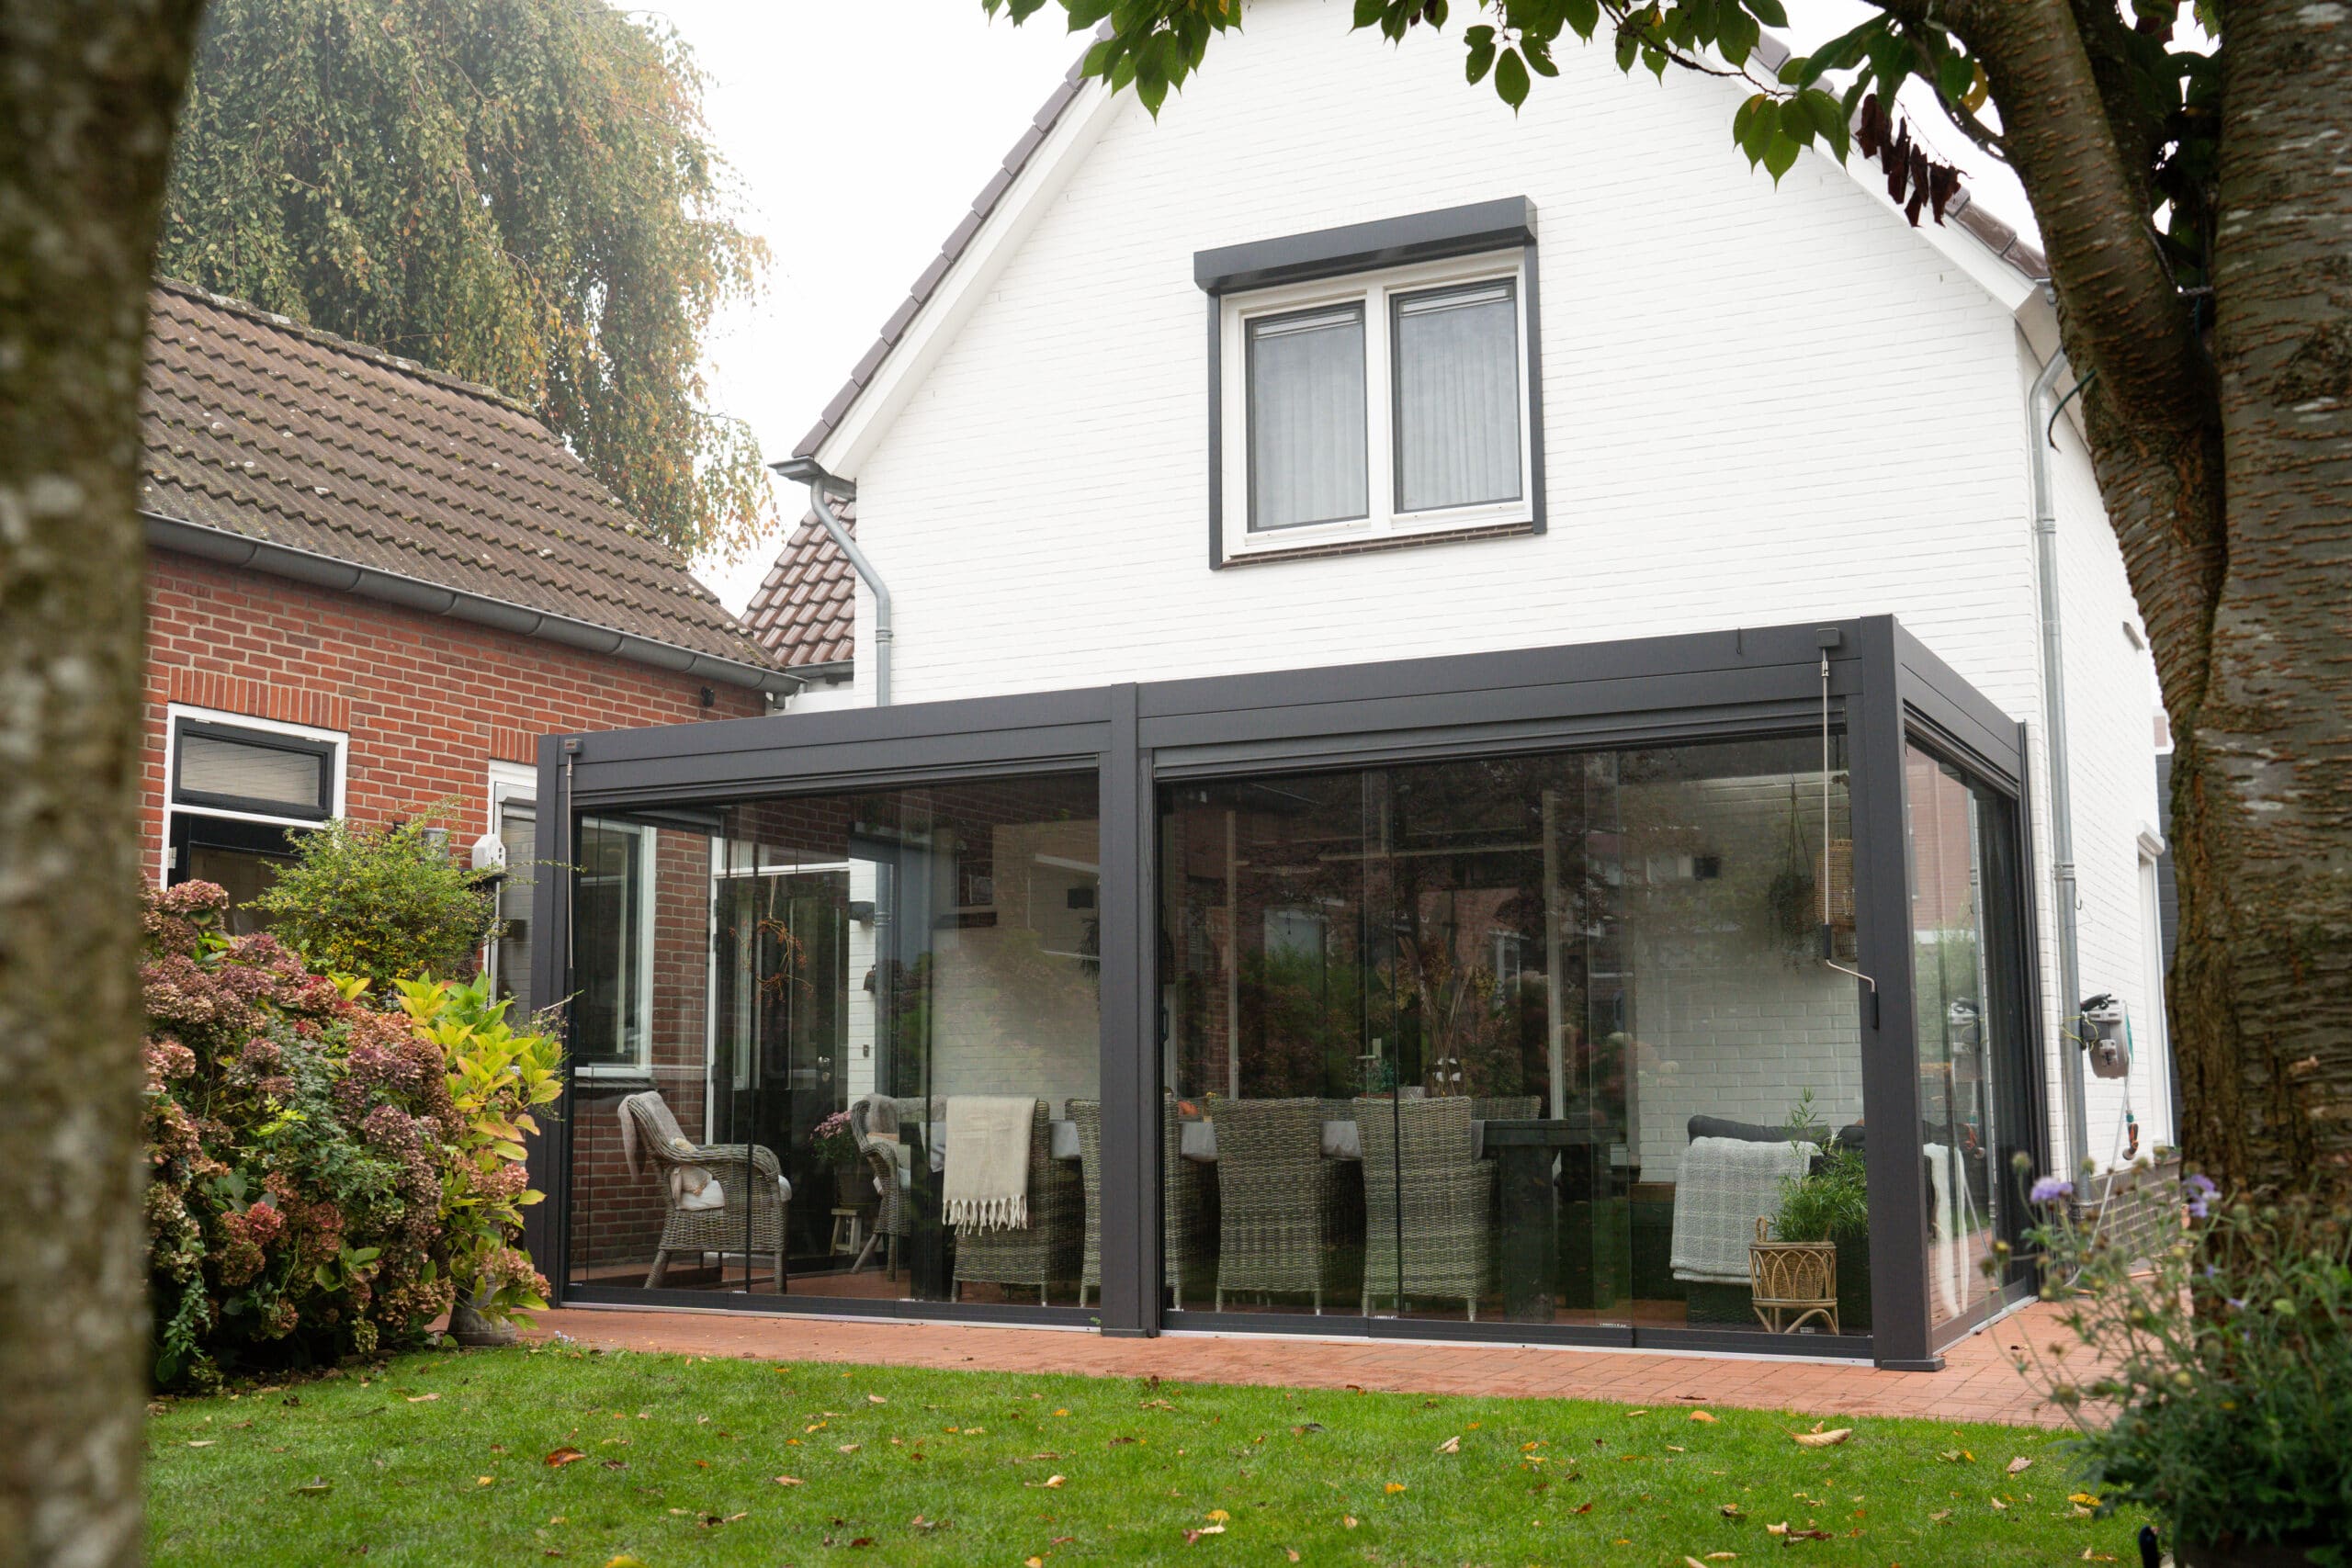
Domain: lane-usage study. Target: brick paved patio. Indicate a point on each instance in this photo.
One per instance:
(1977, 1384)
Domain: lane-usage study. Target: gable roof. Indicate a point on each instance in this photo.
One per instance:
(272, 445)
(805, 612)
(2006, 245)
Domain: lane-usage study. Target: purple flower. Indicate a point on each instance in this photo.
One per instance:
(2049, 1189)
(2200, 1194)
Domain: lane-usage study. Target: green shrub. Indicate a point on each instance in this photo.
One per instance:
(381, 903)
(294, 1189)
(495, 1077)
(2215, 1378)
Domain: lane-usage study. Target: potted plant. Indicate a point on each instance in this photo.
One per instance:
(834, 1143)
(1830, 1205)
(2216, 1373)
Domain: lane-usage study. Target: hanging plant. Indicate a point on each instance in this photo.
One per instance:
(1792, 901)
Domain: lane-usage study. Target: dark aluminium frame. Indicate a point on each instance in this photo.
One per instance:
(1887, 690)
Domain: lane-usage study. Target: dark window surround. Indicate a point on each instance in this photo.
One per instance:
(321, 807)
(195, 829)
(1885, 688)
(1499, 225)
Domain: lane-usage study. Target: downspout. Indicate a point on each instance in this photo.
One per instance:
(2041, 414)
(820, 484)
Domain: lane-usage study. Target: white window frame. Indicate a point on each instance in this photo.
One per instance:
(511, 784)
(1373, 291)
(175, 713)
(640, 1063)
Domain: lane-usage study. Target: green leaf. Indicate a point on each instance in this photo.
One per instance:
(1480, 52)
(1762, 126)
(1779, 156)
(1538, 59)
(1768, 12)
(1655, 59)
(1511, 78)
(1738, 36)
(1584, 15)
(1955, 74)
(1368, 13)
(1627, 47)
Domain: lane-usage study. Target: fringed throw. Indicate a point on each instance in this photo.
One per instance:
(987, 1180)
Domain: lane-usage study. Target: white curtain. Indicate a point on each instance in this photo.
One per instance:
(1306, 419)
(1457, 398)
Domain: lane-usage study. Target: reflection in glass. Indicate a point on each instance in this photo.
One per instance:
(1965, 973)
(1538, 1037)
(864, 1020)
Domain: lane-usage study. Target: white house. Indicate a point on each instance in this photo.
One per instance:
(1394, 603)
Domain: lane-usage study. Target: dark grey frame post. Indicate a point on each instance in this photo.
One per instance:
(1129, 1183)
(546, 1225)
(1890, 1047)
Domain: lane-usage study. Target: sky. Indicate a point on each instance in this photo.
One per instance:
(857, 146)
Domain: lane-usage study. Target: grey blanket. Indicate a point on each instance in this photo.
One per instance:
(1726, 1186)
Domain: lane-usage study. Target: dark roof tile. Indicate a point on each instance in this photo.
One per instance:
(805, 612)
(257, 427)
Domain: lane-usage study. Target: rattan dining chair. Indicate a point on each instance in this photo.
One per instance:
(1429, 1206)
(749, 1220)
(1047, 1250)
(1187, 1220)
(1508, 1107)
(1282, 1209)
(881, 1159)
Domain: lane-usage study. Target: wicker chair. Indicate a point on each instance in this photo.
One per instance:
(1509, 1107)
(1047, 1250)
(1186, 1214)
(1422, 1188)
(1281, 1207)
(893, 1210)
(751, 1219)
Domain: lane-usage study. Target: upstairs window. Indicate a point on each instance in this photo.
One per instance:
(1376, 405)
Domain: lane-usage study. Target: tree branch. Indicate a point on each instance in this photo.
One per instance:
(2123, 317)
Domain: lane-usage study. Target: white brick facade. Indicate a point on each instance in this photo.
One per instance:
(1760, 406)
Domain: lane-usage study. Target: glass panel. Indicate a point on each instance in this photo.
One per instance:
(1563, 1018)
(269, 777)
(1307, 418)
(886, 1002)
(1966, 970)
(1457, 397)
(610, 907)
(245, 873)
(512, 959)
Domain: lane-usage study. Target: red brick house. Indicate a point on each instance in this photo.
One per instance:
(371, 587)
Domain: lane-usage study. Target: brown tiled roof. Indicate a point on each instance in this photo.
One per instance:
(256, 426)
(806, 613)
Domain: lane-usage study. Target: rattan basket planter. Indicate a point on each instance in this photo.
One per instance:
(1793, 1283)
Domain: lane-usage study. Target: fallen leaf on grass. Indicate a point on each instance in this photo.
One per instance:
(789, 1480)
(712, 1521)
(1702, 1417)
(1957, 1456)
(1032, 1562)
(1450, 1446)
(1193, 1535)
(1939, 1516)
(562, 1456)
(1999, 1506)
(1051, 1484)
(423, 1398)
(851, 1447)
(315, 1487)
(624, 1561)
(1348, 1521)
(1290, 1553)
(1730, 1511)
(876, 1399)
(2090, 1556)
(203, 1442)
(2085, 1498)
(1394, 1487)
(1643, 1412)
(1823, 1439)
(2020, 1465)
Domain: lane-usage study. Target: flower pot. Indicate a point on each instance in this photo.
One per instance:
(1793, 1283)
(2262, 1554)
(469, 1326)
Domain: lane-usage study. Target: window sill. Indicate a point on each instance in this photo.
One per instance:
(601, 1078)
(1370, 545)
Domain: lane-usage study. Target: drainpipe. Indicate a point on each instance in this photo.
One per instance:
(2041, 411)
(806, 472)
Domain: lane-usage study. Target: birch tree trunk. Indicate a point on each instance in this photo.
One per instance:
(87, 93)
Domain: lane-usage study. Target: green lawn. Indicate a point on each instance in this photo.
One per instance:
(444, 1458)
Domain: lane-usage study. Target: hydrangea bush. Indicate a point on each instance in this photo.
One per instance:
(2211, 1381)
(322, 1173)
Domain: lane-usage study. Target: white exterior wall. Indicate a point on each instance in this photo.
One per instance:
(1760, 406)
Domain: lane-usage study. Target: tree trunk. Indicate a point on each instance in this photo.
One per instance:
(2263, 781)
(87, 93)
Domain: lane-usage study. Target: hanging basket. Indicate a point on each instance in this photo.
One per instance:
(1840, 864)
(1792, 1282)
